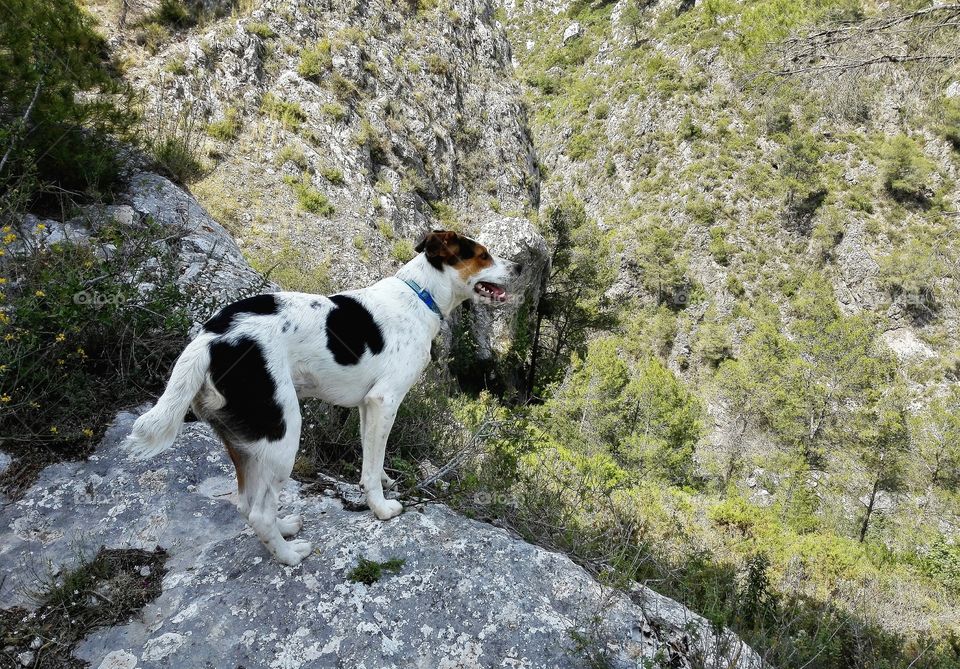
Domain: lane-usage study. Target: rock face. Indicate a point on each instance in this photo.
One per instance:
(466, 595)
(404, 116)
(212, 268)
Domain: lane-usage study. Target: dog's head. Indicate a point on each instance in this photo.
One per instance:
(475, 272)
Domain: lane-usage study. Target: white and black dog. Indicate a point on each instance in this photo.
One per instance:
(363, 348)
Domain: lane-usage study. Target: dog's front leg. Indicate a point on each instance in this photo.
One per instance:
(385, 480)
(377, 413)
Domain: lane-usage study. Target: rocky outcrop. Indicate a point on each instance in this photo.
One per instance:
(466, 594)
(402, 116)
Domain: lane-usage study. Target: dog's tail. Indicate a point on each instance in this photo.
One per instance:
(156, 430)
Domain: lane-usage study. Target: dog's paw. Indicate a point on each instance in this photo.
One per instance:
(389, 509)
(292, 552)
(290, 525)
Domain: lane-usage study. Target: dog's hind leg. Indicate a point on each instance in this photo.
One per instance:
(380, 410)
(268, 470)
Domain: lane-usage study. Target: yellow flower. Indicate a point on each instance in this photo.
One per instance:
(61, 337)
(7, 337)
(81, 352)
(4, 318)
(9, 238)
(40, 293)
(7, 228)
(60, 361)
(53, 429)
(4, 398)
(3, 280)
(41, 227)
(87, 432)
(3, 368)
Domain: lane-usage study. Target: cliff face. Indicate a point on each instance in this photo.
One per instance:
(342, 130)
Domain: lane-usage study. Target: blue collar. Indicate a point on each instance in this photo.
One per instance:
(424, 295)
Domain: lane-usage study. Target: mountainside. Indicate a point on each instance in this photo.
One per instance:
(730, 370)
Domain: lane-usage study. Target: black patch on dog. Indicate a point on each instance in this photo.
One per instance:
(351, 330)
(316, 304)
(261, 305)
(239, 372)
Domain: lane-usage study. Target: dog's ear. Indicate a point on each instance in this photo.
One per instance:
(440, 246)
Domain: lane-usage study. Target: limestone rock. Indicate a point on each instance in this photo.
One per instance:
(467, 594)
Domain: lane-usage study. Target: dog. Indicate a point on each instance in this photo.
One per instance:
(246, 371)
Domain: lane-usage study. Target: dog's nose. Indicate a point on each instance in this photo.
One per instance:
(517, 269)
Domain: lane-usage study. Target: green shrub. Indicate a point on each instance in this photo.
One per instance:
(292, 268)
(333, 175)
(290, 114)
(261, 30)
(334, 110)
(310, 198)
(369, 572)
(906, 171)
(402, 250)
(228, 127)
(173, 13)
(52, 55)
(316, 60)
(292, 154)
(951, 122)
(74, 329)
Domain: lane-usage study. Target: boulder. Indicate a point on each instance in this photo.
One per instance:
(465, 594)
(573, 31)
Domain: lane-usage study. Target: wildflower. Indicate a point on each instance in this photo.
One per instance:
(7, 228)
(7, 337)
(5, 398)
(41, 227)
(60, 361)
(87, 432)
(9, 238)
(40, 293)
(3, 280)
(53, 429)
(61, 337)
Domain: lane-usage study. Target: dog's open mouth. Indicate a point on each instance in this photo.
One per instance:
(491, 291)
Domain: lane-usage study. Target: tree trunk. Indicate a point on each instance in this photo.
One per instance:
(866, 516)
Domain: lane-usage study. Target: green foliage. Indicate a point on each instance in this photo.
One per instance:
(290, 114)
(332, 174)
(66, 612)
(228, 127)
(292, 268)
(662, 270)
(50, 129)
(173, 13)
(907, 172)
(334, 110)
(291, 153)
(369, 572)
(951, 122)
(574, 305)
(310, 198)
(402, 250)
(637, 411)
(804, 388)
(261, 30)
(936, 435)
(316, 60)
(910, 272)
(74, 328)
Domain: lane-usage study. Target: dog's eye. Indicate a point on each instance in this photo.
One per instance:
(484, 256)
